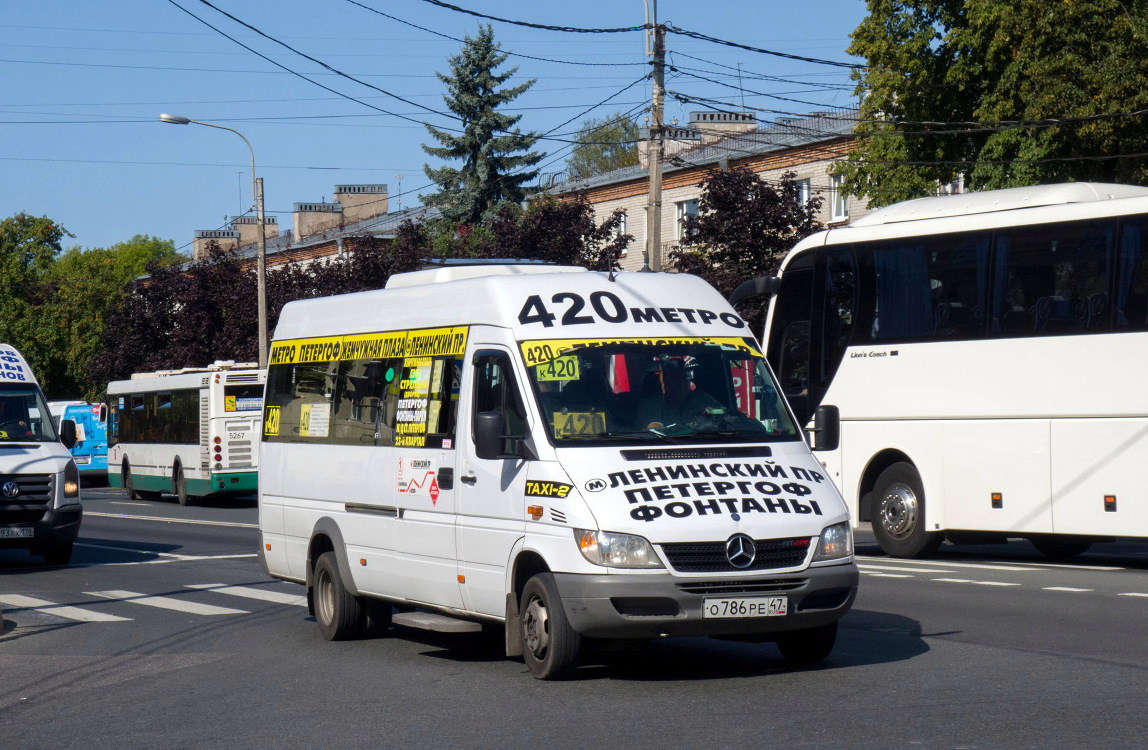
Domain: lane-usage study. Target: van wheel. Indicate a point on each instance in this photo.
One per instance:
(1060, 547)
(899, 513)
(804, 648)
(550, 646)
(61, 554)
(336, 611)
(180, 483)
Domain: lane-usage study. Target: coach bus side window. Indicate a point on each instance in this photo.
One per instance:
(788, 348)
(1130, 297)
(1053, 279)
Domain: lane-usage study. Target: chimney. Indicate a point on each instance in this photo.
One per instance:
(312, 218)
(716, 126)
(361, 202)
(677, 139)
(228, 240)
(249, 232)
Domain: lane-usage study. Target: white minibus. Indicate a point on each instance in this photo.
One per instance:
(580, 457)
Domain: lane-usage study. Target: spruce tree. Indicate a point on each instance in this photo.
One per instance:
(493, 156)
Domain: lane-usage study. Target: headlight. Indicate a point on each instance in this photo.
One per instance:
(616, 550)
(71, 484)
(836, 542)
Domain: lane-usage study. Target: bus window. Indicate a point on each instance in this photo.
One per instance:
(789, 343)
(1130, 297)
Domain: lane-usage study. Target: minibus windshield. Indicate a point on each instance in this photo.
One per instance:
(679, 390)
(24, 416)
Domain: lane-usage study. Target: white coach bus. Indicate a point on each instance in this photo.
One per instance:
(576, 456)
(987, 353)
(191, 432)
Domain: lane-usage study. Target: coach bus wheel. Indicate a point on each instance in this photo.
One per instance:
(1060, 547)
(180, 485)
(336, 609)
(899, 513)
(550, 646)
(807, 647)
(128, 484)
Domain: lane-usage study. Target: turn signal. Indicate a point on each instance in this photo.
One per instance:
(535, 512)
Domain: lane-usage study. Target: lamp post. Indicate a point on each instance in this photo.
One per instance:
(261, 262)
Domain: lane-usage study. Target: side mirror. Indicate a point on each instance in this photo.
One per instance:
(68, 433)
(762, 285)
(491, 441)
(826, 428)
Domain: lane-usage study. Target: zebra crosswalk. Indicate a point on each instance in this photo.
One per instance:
(125, 603)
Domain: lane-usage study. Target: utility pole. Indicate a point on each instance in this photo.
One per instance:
(657, 136)
(261, 273)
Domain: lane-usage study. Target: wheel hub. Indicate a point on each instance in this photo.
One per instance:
(324, 597)
(899, 510)
(535, 627)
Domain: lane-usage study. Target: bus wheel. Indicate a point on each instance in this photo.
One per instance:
(336, 610)
(61, 554)
(129, 485)
(550, 646)
(180, 485)
(1060, 547)
(899, 513)
(804, 648)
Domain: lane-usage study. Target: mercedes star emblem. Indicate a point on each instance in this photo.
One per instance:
(740, 551)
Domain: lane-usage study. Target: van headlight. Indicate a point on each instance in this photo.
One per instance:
(71, 484)
(616, 550)
(836, 542)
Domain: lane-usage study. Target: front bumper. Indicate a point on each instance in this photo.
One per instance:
(649, 606)
(56, 526)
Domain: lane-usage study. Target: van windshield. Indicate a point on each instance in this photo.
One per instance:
(24, 416)
(680, 390)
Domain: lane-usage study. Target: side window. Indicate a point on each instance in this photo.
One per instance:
(495, 390)
(837, 310)
(789, 340)
(298, 407)
(428, 402)
(366, 402)
(1053, 279)
(1130, 297)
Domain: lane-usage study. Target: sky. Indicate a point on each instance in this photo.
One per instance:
(83, 84)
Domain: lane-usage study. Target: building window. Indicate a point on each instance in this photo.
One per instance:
(803, 191)
(684, 209)
(840, 199)
(621, 229)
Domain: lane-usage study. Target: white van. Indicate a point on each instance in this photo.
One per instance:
(579, 456)
(39, 484)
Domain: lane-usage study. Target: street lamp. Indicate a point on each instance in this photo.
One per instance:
(261, 262)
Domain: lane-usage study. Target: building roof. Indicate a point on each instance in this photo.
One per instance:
(780, 135)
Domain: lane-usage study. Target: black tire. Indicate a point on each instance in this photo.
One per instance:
(898, 513)
(129, 485)
(60, 554)
(337, 611)
(375, 617)
(804, 648)
(550, 647)
(179, 486)
(1060, 547)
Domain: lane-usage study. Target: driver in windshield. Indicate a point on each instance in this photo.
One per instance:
(675, 402)
(11, 423)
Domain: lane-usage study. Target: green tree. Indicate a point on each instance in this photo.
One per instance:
(28, 247)
(492, 164)
(603, 146)
(87, 285)
(969, 87)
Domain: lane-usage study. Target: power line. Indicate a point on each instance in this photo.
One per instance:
(545, 27)
(702, 37)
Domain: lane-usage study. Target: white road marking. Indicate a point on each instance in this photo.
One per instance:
(1066, 588)
(173, 520)
(868, 566)
(140, 505)
(171, 556)
(249, 592)
(59, 610)
(976, 583)
(948, 564)
(888, 575)
(1078, 566)
(167, 602)
(1134, 593)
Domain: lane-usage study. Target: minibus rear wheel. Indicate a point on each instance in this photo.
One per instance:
(550, 647)
(899, 513)
(337, 611)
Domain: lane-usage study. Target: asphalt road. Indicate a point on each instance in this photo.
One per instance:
(164, 633)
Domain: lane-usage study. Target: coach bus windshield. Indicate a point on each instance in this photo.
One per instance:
(24, 416)
(681, 390)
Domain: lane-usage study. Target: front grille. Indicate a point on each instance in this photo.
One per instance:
(685, 454)
(772, 585)
(35, 489)
(710, 557)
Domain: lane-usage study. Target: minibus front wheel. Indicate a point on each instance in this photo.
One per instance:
(550, 646)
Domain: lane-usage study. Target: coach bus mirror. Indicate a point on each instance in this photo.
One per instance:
(768, 286)
(68, 433)
(826, 428)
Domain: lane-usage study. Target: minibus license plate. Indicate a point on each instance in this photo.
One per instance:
(17, 533)
(754, 606)
(83, 460)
